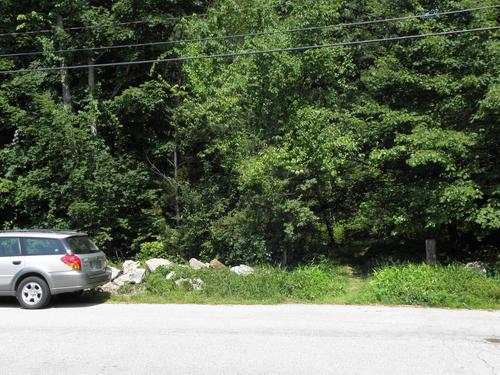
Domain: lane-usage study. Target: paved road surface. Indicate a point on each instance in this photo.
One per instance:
(287, 339)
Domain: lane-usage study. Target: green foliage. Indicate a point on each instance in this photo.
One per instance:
(411, 284)
(269, 158)
(419, 284)
(267, 284)
(340, 148)
(149, 250)
(157, 284)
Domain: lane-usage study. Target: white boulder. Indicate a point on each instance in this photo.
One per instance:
(130, 266)
(134, 277)
(196, 264)
(153, 264)
(115, 272)
(137, 276)
(111, 288)
(243, 270)
(170, 275)
(122, 279)
(478, 266)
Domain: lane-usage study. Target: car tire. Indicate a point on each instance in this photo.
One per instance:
(33, 293)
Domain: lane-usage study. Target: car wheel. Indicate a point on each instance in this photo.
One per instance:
(33, 293)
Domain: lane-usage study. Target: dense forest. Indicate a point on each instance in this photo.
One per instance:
(356, 151)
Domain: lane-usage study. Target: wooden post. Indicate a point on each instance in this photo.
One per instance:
(284, 259)
(430, 251)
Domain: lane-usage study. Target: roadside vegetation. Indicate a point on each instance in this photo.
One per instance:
(421, 284)
(362, 150)
(408, 284)
(353, 154)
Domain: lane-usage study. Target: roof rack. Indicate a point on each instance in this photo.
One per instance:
(40, 230)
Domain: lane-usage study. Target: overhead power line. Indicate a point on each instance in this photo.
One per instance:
(258, 52)
(255, 34)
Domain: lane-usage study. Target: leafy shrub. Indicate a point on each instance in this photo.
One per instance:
(150, 250)
(421, 284)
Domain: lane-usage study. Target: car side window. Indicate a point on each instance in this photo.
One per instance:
(9, 247)
(42, 246)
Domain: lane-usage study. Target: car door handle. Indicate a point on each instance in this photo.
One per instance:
(16, 262)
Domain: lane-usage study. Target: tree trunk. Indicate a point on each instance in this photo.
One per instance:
(430, 251)
(326, 220)
(91, 83)
(66, 94)
(176, 187)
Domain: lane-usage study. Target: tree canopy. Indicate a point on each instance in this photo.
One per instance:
(347, 151)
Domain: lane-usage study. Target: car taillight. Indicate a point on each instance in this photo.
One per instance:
(73, 261)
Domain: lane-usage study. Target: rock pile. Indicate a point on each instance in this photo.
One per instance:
(132, 273)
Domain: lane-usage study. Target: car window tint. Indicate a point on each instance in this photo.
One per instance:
(9, 247)
(42, 246)
(81, 245)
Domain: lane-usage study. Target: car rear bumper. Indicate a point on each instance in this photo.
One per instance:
(66, 282)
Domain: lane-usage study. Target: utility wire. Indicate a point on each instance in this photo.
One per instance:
(261, 33)
(259, 52)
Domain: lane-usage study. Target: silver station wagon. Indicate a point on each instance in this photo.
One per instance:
(36, 264)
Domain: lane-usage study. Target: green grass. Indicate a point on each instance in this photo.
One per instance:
(448, 286)
(313, 283)
(409, 284)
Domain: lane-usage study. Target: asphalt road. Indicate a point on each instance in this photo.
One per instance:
(286, 339)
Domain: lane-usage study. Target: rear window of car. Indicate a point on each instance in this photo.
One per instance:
(9, 247)
(81, 245)
(42, 246)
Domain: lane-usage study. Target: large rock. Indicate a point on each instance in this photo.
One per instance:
(122, 279)
(153, 264)
(111, 288)
(214, 263)
(478, 266)
(195, 284)
(137, 276)
(243, 270)
(115, 272)
(130, 266)
(134, 277)
(196, 264)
